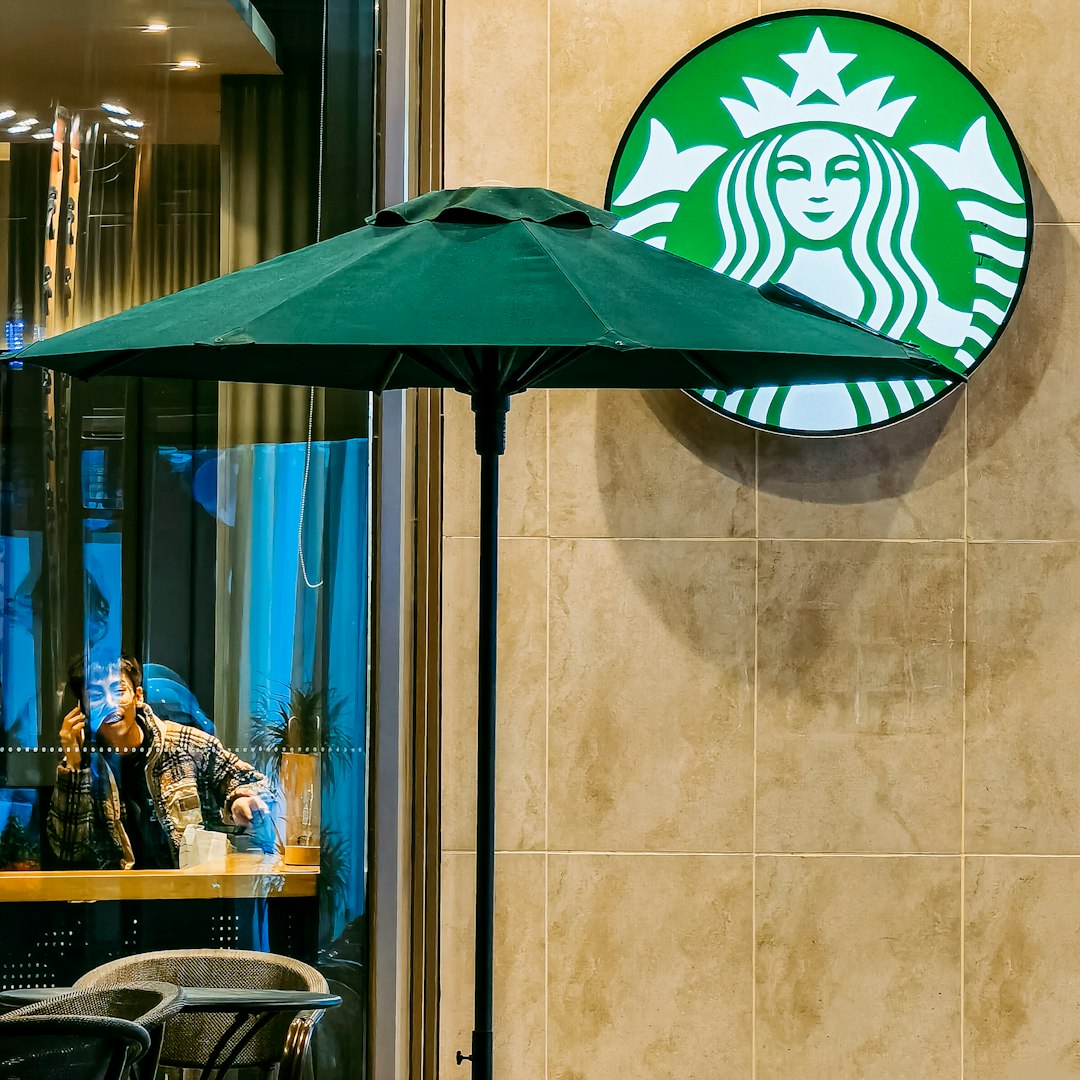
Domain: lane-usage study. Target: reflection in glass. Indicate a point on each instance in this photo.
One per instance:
(134, 791)
(204, 531)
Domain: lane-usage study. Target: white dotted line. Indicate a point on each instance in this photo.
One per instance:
(235, 750)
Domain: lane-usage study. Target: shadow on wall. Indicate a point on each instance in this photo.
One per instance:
(887, 464)
(1012, 374)
(895, 461)
(893, 657)
(903, 482)
(876, 465)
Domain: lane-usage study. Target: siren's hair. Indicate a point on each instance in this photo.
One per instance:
(758, 247)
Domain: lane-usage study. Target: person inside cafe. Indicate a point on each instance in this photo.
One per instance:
(129, 784)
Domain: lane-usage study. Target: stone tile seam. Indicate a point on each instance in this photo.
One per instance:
(771, 854)
(951, 540)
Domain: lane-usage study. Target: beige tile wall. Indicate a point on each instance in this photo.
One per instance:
(789, 737)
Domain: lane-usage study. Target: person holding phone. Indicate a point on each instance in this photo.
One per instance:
(128, 783)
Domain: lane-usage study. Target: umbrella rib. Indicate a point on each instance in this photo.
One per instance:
(462, 384)
(109, 362)
(539, 238)
(348, 261)
(476, 369)
(389, 374)
(542, 366)
(448, 373)
(710, 377)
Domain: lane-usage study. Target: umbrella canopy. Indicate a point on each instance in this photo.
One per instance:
(489, 291)
(538, 278)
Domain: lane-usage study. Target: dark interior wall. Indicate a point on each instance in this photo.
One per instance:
(29, 177)
(348, 107)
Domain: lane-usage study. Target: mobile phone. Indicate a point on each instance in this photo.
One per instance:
(78, 687)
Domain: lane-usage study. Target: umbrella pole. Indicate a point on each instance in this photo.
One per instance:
(490, 408)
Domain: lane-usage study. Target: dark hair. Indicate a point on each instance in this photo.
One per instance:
(131, 667)
(76, 675)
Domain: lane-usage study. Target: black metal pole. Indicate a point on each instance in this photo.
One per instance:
(490, 409)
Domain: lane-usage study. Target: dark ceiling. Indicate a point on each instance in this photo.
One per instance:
(78, 54)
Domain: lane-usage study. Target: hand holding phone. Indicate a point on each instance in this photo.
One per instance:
(73, 737)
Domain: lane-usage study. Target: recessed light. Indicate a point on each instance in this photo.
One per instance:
(129, 135)
(42, 134)
(155, 28)
(131, 122)
(7, 114)
(186, 65)
(116, 110)
(19, 129)
(30, 121)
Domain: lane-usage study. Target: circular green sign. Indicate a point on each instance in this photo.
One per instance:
(853, 161)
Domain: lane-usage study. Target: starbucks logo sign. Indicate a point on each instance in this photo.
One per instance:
(853, 161)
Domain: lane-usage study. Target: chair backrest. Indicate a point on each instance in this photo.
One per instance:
(146, 1003)
(69, 1047)
(191, 1037)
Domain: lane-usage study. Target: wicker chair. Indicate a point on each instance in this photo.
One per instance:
(192, 1038)
(147, 1004)
(70, 1047)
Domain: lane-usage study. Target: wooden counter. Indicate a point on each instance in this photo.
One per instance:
(237, 876)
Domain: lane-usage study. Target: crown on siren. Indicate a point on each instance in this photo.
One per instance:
(818, 96)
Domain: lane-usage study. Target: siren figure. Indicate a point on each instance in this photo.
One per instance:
(836, 204)
(835, 219)
(820, 195)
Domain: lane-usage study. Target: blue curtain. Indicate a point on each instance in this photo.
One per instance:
(19, 632)
(285, 630)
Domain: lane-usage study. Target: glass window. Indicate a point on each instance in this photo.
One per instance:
(184, 569)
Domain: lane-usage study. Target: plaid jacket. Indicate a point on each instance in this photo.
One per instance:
(186, 770)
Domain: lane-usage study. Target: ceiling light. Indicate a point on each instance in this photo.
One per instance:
(19, 129)
(42, 134)
(30, 121)
(186, 65)
(7, 114)
(155, 28)
(129, 135)
(116, 110)
(131, 122)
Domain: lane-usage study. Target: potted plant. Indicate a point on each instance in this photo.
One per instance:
(297, 745)
(333, 879)
(17, 849)
(289, 736)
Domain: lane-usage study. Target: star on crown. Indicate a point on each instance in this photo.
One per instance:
(818, 96)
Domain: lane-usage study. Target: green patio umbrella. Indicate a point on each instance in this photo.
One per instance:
(488, 291)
